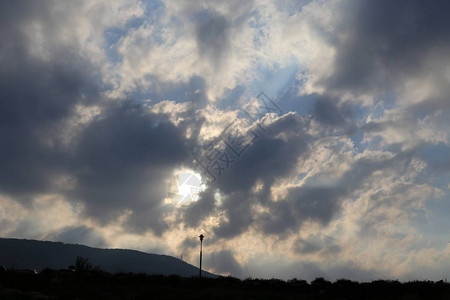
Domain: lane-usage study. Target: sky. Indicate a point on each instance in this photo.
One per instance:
(302, 138)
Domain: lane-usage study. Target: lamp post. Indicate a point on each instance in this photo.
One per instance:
(201, 246)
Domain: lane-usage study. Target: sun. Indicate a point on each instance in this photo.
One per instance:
(185, 187)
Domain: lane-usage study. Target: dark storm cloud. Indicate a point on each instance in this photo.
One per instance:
(79, 234)
(197, 210)
(238, 209)
(317, 243)
(223, 262)
(189, 243)
(36, 97)
(273, 155)
(302, 204)
(213, 37)
(118, 162)
(334, 115)
(330, 112)
(388, 41)
(123, 161)
(321, 203)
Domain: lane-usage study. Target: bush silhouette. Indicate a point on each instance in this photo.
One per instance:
(82, 264)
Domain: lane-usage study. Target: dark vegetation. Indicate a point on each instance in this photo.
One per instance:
(88, 282)
(39, 255)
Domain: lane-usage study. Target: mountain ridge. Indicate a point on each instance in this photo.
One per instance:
(38, 255)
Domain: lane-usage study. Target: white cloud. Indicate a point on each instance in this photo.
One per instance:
(41, 216)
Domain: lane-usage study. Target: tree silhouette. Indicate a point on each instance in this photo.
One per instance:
(82, 264)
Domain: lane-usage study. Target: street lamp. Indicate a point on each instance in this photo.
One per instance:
(201, 246)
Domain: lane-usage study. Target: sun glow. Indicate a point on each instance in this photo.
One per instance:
(185, 187)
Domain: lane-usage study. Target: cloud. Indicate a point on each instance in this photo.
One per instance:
(198, 210)
(301, 204)
(223, 262)
(271, 156)
(121, 155)
(327, 112)
(122, 162)
(82, 234)
(39, 218)
(37, 96)
(213, 38)
(315, 243)
(388, 43)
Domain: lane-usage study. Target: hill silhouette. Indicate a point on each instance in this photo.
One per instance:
(38, 255)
